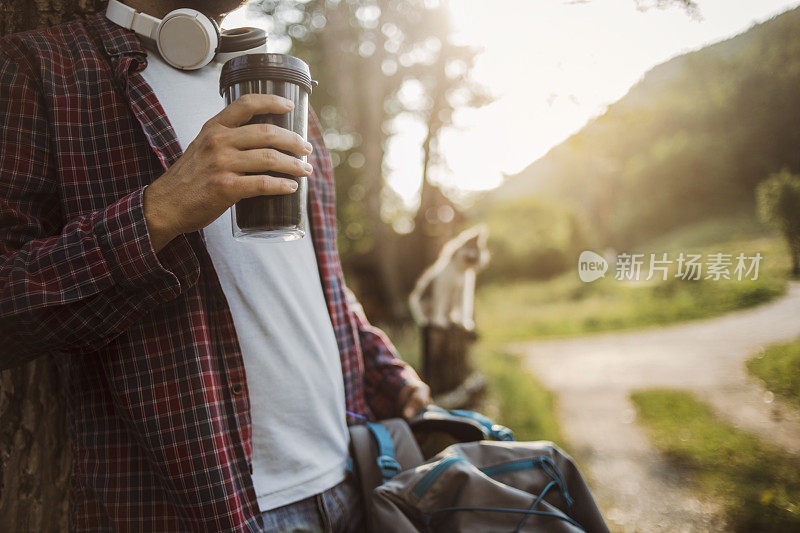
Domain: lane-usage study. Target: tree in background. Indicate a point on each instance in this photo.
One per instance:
(34, 444)
(377, 61)
(21, 15)
(779, 206)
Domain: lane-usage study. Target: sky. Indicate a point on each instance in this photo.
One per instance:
(551, 66)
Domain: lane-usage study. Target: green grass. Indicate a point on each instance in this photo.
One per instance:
(515, 398)
(740, 227)
(566, 306)
(759, 484)
(779, 367)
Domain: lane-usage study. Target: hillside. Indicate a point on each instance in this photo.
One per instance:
(689, 142)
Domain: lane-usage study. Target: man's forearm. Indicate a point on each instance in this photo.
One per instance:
(156, 214)
(50, 288)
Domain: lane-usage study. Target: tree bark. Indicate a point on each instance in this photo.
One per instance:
(445, 357)
(34, 444)
(21, 15)
(34, 449)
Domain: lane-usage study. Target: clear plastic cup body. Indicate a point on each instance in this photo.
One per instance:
(277, 217)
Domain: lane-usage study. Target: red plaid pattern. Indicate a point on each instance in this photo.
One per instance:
(157, 398)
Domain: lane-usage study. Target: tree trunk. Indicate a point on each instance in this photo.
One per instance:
(34, 446)
(447, 367)
(793, 242)
(445, 357)
(34, 449)
(21, 15)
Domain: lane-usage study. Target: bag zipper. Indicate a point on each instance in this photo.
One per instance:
(543, 462)
(511, 466)
(430, 478)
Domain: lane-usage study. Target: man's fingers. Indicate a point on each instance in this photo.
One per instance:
(418, 399)
(268, 135)
(249, 186)
(269, 160)
(246, 106)
(414, 406)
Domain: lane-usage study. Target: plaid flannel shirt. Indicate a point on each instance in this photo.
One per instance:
(157, 399)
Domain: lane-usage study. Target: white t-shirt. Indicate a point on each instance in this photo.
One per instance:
(294, 373)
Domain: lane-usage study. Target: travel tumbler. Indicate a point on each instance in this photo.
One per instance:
(280, 217)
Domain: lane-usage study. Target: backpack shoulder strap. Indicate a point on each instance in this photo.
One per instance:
(380, 451)
(387, 464)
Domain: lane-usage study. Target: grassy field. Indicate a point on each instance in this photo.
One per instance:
(566, 306)
(759, 484)
(779, 367)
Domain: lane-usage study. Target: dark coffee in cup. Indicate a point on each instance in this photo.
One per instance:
(279, 217)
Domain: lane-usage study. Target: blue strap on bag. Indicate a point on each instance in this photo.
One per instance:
(380, 451)
(494, 431)
(387, 464)
(464, 425)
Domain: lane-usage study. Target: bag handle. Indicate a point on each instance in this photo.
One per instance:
(491, 431)
(494, 431)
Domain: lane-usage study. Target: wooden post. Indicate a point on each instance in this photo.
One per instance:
(442, 305)
(447, 368)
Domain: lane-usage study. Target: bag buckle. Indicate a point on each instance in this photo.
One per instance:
(389, 466)
(498, 432)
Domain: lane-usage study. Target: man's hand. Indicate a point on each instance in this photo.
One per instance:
(211, 175)
(414, 397)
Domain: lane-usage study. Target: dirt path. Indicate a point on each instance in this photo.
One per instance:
(593, 377)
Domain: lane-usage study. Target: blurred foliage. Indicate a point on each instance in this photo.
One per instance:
(739, 228)
(689, 142)
(22, 15)
(376, 61)
(516, 398)
(760, 484)
(779, 367)
(779, 206)
(532, 238)
(565, 305)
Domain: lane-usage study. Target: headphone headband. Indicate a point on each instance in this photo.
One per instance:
(186, 38)
(127, 17)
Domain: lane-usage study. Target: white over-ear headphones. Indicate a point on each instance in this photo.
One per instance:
(186, 38)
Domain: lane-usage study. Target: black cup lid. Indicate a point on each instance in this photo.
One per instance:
(238, 39)
(266, 67)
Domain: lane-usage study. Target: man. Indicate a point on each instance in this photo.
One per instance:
(115, 177)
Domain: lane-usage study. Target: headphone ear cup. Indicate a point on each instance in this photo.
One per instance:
(238, 39)
(187, 39)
